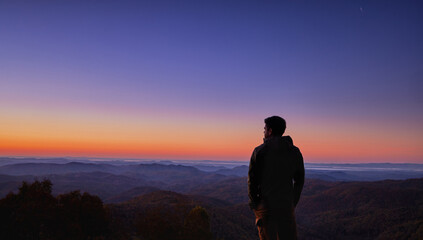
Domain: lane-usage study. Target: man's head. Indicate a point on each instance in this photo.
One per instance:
(274, 126)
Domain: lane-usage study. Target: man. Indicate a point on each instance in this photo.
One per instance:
(275, 182)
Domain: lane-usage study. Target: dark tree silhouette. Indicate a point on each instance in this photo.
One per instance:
(81, 216)
(28, 214)
(33, 213)
(197, 224)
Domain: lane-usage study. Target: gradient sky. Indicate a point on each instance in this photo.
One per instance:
(195, 79)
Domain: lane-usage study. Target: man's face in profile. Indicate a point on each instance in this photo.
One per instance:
(267, 131)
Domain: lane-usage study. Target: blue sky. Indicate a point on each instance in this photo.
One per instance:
(318, 63)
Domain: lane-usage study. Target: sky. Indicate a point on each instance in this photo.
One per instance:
(195, 79)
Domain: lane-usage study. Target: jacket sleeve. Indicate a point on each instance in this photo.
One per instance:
(298, 176)
(253, 185)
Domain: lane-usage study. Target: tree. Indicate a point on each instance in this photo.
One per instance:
(29, 213)
(33, 213)
(81, 216)
(197, 224)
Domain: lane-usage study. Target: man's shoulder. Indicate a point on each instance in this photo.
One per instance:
(259, 148)
(296, 150)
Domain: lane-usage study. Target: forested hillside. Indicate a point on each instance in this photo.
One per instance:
(327, 210)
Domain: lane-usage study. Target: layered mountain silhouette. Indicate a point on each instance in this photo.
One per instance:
(154, 196)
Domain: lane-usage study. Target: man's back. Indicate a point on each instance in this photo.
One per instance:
(274, 167)
(275, 182)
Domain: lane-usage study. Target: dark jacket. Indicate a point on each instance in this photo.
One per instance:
(276, 174)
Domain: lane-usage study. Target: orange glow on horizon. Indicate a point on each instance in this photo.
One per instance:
(152, 150)
(92, 134)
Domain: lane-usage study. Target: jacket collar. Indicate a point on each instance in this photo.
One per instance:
(287, 139)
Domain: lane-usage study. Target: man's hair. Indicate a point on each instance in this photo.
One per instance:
(277, 124)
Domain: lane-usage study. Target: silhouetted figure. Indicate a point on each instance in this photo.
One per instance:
(275, 182)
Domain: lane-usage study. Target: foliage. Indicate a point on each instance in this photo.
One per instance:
(327, 210)
(33, 213)
(163, 222)
(362, 210)
(159, 223)
(197, 224)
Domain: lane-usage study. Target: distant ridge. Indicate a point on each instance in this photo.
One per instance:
(329, 172)
(131, 193)
(106, 180)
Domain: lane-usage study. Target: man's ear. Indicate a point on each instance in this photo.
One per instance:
(270, 131)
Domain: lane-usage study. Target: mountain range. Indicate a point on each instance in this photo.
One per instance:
(330, 208)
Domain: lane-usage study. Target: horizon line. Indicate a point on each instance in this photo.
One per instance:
(185, 160)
